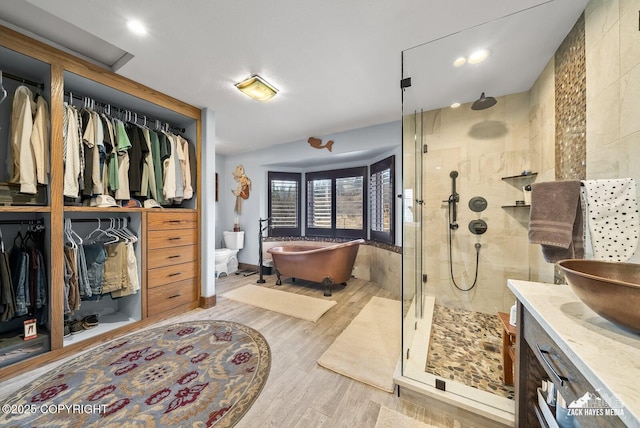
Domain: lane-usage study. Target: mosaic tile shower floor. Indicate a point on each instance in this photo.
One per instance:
(467, 347)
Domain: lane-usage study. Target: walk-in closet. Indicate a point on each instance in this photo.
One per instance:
(99, 204)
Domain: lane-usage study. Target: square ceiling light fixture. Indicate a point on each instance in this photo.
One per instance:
(257, 88)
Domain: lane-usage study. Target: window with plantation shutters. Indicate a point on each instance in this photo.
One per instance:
(349, 203)
(319, 197)
(336, 203)
(284, 203)
(381, 200)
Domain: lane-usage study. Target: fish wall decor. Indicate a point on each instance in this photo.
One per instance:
(316, 143)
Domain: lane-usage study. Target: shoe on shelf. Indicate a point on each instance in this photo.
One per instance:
(90, 321)
(67, 328)
(76, 327)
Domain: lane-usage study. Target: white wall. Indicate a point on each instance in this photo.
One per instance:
(208, 209)
(351, 148)
(219, 170)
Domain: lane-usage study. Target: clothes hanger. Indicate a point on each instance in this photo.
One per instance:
(90, 237)
(67, 233)
(131, 236)
(74, 237)
(4, 91)
(111, 232)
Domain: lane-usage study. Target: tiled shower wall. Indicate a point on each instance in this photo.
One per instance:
(612, 45)
(483, 146)
(600, 59)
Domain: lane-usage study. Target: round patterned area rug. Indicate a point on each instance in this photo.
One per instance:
(200, 373)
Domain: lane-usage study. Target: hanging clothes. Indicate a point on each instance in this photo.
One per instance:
(116, 274)
(169, 172)
(40, 140)
(19, 267)
(131, 285)
(7, 293)
(123, 146)
(186, 168)
(157, 165)
(28, 274)
(71, 153)
(110, 176)
(23, 164)
(179, 164)
(74, 289)
(95, 258)
(135, 158)
(148, 172)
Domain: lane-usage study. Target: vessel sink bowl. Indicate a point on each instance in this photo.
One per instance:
(612, 290)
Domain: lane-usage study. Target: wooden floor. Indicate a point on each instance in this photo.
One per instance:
(300, 393)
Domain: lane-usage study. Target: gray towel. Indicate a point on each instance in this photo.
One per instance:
(555, 220)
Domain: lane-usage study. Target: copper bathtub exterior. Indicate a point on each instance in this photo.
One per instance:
(327, 265)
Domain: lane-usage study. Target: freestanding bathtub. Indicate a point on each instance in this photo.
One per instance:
(327, 265)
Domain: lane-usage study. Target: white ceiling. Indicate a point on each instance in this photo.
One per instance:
(336, 63)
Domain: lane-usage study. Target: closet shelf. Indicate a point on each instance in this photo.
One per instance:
(124, 210)
(24, 209)
(103, 209)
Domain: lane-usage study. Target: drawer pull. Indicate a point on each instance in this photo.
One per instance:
(175, 274)
(175, 221)
(175, 238)
(175, 256)
(543, 354)
(174, 296)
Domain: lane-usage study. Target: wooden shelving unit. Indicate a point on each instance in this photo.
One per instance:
(60, 72)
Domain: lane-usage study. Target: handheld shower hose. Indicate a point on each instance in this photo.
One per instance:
(453, 200)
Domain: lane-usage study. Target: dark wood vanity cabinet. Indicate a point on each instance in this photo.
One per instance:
(539, 357)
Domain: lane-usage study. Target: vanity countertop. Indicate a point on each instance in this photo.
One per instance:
(607, 355)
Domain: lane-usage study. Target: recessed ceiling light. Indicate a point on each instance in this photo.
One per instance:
(478, 56)
(257, 88)
(460, 61)
(455, 105)
(137, 27)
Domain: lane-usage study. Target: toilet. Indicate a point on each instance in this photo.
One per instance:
(226, 259)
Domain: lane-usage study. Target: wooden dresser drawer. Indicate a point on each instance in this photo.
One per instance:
(171, 238)
(162, 257)
(169, 274)
(169, 296)
(172, 220)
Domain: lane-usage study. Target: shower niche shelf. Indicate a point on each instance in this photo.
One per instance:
(513, 177)
(517, 181)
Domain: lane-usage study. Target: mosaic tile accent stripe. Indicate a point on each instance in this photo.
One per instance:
(392, 248)
(571, 110)
(571, 105)
(466, 347)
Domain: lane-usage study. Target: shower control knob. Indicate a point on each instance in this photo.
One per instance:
(477, 227)
(419, 201)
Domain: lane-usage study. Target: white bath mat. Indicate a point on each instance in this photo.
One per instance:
(294, 305)
(369, 348)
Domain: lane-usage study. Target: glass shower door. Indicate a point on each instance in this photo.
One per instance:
(413, 291)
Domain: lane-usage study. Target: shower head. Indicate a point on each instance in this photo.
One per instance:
(483, 102)
(453, 174)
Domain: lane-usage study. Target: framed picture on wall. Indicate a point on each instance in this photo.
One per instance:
(216, 187)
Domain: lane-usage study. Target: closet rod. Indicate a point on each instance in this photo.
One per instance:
(102, 220)
(22, 80)
(27, 222)
(121, 110)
